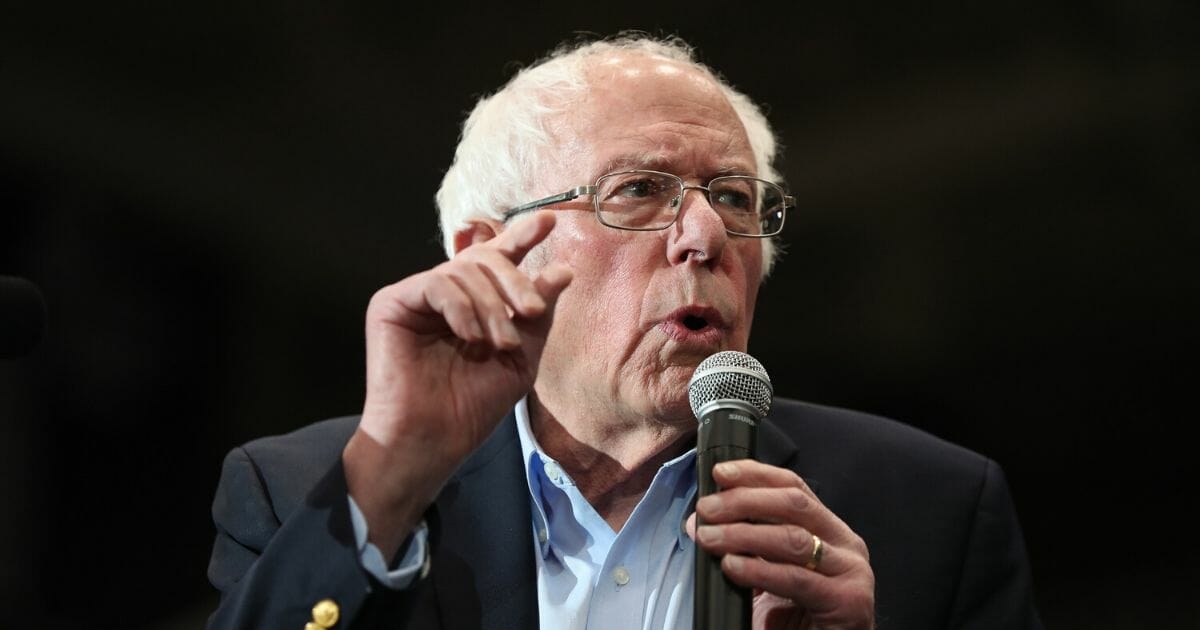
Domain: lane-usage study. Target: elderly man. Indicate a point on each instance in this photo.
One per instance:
(525, 454)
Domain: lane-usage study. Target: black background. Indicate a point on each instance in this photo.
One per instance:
(996, 242)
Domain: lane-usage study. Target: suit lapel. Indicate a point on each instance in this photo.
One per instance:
(483, 563)
(774, 447)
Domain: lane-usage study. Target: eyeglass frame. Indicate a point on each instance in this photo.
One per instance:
(788, 201)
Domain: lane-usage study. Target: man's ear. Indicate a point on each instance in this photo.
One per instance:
(478, 230)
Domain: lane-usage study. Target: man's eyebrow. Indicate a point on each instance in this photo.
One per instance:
(735, 170)
(639, 161)
(660, 162)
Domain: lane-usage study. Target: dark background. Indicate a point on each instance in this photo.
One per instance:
(996, 243)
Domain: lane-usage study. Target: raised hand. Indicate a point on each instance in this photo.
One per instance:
(449, 352)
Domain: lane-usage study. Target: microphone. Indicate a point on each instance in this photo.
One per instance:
(730, 393)
(22, 317)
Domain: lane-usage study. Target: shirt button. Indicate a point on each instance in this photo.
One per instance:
(620, 576)
(553, 471)
(542, 535)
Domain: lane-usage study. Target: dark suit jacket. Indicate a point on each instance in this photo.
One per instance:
(945, 544)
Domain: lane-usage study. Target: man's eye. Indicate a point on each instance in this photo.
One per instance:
(735, 200)
(639, 188)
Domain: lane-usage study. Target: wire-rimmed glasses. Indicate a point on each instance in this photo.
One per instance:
(643, 200)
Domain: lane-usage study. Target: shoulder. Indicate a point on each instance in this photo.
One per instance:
(855, 436)
(872, 469)
(286, 467)
(321, 441)
(911, 496)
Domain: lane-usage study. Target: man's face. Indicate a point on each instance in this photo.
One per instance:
(645, 308)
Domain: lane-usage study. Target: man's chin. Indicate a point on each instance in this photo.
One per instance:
(672, 404)
(663, 395)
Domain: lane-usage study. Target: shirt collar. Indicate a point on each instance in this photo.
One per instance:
(532, 455)
(535, 460)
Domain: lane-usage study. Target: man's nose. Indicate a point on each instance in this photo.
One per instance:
(699, 234)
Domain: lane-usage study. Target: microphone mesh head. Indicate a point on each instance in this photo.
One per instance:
(730, 375)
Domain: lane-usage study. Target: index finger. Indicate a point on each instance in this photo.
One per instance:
(752, 490)
(752, 473)
(516, 241)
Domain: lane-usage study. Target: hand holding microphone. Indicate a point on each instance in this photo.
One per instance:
(760, 527)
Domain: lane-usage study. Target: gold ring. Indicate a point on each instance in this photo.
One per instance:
(818, 551)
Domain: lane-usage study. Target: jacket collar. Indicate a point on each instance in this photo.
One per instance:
(774, 447)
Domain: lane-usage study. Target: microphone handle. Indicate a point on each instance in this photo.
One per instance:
(719, 603)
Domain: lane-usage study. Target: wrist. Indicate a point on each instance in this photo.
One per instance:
(392, 488)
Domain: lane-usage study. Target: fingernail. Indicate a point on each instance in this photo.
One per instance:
(728, 469)
(710, 505)
(506, 333)
(734, 562)
(710, 534)
(476, 330)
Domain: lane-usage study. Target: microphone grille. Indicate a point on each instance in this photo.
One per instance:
(730, 375)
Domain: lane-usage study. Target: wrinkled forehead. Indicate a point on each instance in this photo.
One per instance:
(643, 111)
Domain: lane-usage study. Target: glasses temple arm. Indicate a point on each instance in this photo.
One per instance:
(574, 193)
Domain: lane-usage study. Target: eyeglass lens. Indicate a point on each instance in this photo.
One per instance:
(642, 200)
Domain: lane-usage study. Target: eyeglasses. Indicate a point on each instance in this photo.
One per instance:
(650, 200)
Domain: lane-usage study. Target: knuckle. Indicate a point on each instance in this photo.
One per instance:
(448, 266)
(378, 300)
(796, 499)
(796, 480)
(858, 544)
(458, 308)
(387, 293)
(798, 539)
(861, 601)
(451, 272)
(381, 294)
(825, 591)
(490, 262)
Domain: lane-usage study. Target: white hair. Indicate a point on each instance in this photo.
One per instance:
(504, 139)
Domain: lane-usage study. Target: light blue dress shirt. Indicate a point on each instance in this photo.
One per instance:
(592, 577)
(589, 576)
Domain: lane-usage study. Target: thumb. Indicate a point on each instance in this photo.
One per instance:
(690, 526)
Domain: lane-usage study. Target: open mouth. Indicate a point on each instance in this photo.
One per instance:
(695, 322)
(692, 325)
